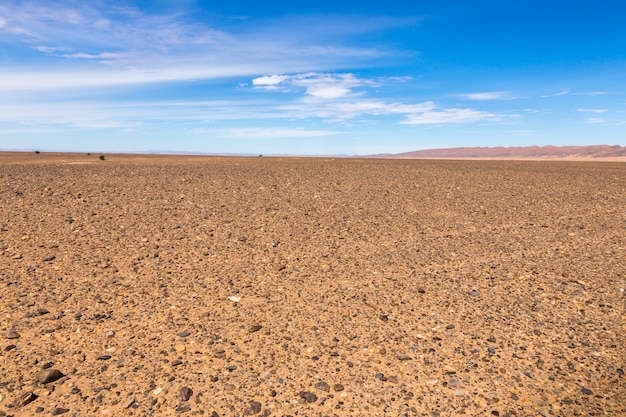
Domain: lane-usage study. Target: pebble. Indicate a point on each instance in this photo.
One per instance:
(185, 393)
(128, 403)
(157, 391)
(234, 299)
(58, 411)
(184, 334)
(458, 392)
(587, 391)
(338, 387)
(308, 396)
(176, 362)
(491, 350)
(454, 383)
(25, 399)
(255, 328)
(11, 334)
(323, 386)
(180, 348)
(403, 357)
(48, 258)
(48, 375)
(255, 408)
(450, 326)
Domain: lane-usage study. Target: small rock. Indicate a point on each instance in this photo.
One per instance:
(521, 355)
(157, 391)
(255, 408)
(184, 334)
(11, 334)
(338, 387)
(180, 348)
(323, 386)
(9, 347)
(25, 399)
(104, 357)
(450, 326)
(403, 357)
(185, 393)
(234, 299)
(39, 410)
(48, 375)
(491, 350)
(58, 411)
(454, 383)
(255, 328)
(458, 392)
(308, 396)
(176, 362)
(393, 379)
(110, 334)
(384, 318)
(421, 290)
(491, 339)
(587, 391)
(130, 402)
(48, 258)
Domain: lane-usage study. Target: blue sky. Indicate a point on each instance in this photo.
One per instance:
(310, 77)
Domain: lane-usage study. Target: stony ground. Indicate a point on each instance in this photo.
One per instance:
(140, 286)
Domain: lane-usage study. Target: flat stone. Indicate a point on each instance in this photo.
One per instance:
(48, 375)
(11, 334)
(323, 386)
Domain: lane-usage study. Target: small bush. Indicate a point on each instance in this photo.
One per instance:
(37, 152)
(101, 157)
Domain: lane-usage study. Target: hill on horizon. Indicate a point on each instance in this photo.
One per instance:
(522, 152)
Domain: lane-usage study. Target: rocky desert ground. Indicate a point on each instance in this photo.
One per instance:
(223, 286)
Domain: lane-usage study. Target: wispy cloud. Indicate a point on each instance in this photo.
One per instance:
(271, 133)
(445, 116)
(95, 45)
(595, 120)
(592, 110)
(491, 95)
(564, 91)
(319, 85)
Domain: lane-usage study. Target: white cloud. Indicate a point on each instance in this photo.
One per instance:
(319, 85)
(563, 92)
(448, 116)
(492, 95)
(271, 80)
(3, 22)
(592, 110)
(595, 120)
(271, 133)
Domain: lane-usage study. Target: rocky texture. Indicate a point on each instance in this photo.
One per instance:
(319, 287)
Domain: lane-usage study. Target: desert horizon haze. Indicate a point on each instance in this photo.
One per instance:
(310, 78)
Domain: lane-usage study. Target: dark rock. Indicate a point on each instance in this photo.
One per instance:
(48, 258)
(58, 411)
(403, 357)
(338, 387)
(450, 326)
(587, 391)
(255, 408)
(185, 393)
(323, 386)
(48, 375)
(176, 362)
(308, 396)
(184, 334)
(104, 357)
(255, 328)
(9, 347)
(491, 350)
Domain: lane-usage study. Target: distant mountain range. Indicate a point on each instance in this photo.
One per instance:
(520, 152)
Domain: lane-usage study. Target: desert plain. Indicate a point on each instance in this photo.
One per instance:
(230, 286)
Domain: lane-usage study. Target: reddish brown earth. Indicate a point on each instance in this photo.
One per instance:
(314, 287)
(598, 152)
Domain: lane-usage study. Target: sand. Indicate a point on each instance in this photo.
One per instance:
(218, 286)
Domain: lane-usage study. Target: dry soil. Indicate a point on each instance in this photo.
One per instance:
(217, 286)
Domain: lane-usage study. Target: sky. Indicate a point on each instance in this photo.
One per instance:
(310, 77)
